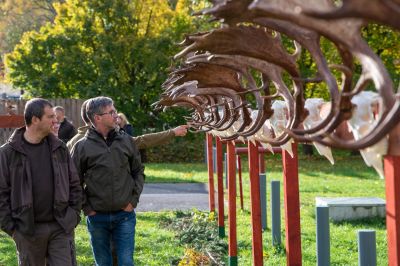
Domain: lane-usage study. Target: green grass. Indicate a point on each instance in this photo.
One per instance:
(348, 177)
(175, 173)
(154, 244)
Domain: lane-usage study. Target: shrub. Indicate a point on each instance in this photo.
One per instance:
(180, 149)
(199, 233)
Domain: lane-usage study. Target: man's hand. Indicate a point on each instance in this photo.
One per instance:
(128, 208)
(180, 131)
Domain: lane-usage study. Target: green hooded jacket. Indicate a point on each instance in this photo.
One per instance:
(111, 171)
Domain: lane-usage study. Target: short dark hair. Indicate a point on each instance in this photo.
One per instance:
(35, 107)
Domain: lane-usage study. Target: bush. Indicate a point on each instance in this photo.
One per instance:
(179, 150)
(198, 232)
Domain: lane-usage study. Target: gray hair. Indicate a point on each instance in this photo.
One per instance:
(96, 106)
(35, 107)
(59, 108)
(84, 116)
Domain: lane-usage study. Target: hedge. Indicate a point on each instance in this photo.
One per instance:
(181, 149)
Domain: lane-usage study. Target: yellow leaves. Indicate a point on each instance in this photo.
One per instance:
(188, 175)
(152, 17)
(155, 16)
(182, 6)
(193, 258)
(54, 66)
(211, 217)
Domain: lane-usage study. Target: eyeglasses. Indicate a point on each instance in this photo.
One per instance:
(112, 113)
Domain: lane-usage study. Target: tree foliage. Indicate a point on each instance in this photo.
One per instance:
(118, 48)
(19, 16)
(384, 41)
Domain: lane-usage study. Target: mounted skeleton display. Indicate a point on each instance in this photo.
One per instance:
(217, 76)
(242, 82)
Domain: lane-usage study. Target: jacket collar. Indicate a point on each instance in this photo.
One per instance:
(16, 140)
(65, 121)
(92, 133)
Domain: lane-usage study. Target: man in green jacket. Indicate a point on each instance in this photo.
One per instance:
(112, 175)
(40, 192)
(142, 142)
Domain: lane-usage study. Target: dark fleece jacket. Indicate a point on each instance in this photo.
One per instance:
(16, 208)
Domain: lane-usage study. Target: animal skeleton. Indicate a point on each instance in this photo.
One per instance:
(217, 74)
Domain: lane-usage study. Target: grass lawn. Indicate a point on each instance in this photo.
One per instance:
(349, 177)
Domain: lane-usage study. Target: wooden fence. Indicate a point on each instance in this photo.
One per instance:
(72, 112)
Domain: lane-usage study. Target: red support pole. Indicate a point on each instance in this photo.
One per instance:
(230, 149)
(255, 204)
(292, 207)
(239, 166)
(220, 173)
(392, 179)
(211, 192)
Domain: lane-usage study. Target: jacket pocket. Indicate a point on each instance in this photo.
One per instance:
(68, 218)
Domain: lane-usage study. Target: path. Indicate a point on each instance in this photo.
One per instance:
(177, 196)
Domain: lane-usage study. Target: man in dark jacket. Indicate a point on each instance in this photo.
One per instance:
(66, 130)
(112, 175)
(40, 193)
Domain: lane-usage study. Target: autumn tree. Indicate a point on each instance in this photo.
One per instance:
(20, 16)
(118, 48)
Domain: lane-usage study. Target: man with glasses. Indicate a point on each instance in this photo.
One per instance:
(112, 176)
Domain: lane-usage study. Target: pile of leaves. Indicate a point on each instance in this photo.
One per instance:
(198, 232)
(193, 258)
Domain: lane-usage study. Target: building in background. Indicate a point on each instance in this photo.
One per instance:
(8, 92)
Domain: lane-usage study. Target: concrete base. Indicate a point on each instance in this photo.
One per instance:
(344, 209)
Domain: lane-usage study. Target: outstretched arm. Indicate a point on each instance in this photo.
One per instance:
(180, 131)
(160, 138)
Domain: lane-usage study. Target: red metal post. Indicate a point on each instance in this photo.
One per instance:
(392, 178)
(220, 173)
(211, 192)
(292, 207)
(245, 150)
(239, 166)
(230, 150)
(255, 204)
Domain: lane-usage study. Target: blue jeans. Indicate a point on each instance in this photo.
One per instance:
(118, 227)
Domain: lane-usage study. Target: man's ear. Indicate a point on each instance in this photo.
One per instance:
(35, 119)
(96, 119)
